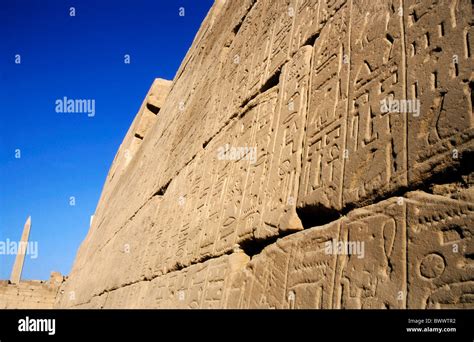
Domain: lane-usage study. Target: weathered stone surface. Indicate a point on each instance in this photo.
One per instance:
(440, 250)
(199, 286)
(30, 294)
(440, 75)
(376, 163)
(323, 162)
(283, 115)
(371, 53)
(301, 271)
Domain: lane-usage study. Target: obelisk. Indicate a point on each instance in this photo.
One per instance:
(21, 252)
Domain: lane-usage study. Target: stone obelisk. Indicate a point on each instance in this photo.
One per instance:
(21, 252)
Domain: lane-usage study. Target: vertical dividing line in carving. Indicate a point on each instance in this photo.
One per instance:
(304, 141)
(308, 99)
(346, 123)
(287, 269)
(405, 80)
(206, 281)
(405, 90)
(335, 298)
(407, 273)
(293, 24)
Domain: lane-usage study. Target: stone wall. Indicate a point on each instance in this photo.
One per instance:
(308, 154)
(30, 294)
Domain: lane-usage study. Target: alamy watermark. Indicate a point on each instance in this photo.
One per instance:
(356, 248)
(391, 105)
(28, 324)
(66, 105)
(228, 152)
(9, 247)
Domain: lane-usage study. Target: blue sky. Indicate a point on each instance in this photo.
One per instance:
(64, 155)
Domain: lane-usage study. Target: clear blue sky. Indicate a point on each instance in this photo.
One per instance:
(69, 154)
